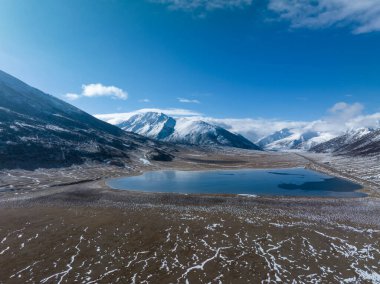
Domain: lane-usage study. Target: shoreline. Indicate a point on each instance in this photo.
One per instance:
(367, 188)
(361, 190)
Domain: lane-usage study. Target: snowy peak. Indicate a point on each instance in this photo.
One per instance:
(286, 139)
(278, 135)
(198, 132)
(151, 124)
(188, 131)
(356, 134)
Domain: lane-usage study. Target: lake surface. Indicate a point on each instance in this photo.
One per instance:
(288, 182)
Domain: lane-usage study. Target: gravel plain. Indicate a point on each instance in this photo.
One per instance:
(67, 226)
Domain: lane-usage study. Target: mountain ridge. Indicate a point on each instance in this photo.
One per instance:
(287, 139)
(186, 131)
(355, 142)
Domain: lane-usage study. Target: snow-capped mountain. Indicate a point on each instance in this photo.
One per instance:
(362, 141)
(276, 136)
(286, 139)
(39, 130)
(188, 131)
(150, 124)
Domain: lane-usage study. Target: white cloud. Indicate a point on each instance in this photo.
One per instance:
(144, 101)
(188, 101)
(370, 121)
(99, 90)
(361, 16)
(346, 111)
(116, 118)
(191, 5)
(72, 96)
(342, 117)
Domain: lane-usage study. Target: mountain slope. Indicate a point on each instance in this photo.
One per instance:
(184, 131)
(362, 141)
(39, 130)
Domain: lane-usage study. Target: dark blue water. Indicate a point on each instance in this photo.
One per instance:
(288, 182)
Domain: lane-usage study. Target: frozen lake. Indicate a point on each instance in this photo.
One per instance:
(283, 182)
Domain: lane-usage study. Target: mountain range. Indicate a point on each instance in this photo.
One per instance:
(195, 131)
(188, 131)
(354, 142)
(39, 130)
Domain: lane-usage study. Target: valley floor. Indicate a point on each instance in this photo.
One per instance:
(65, 226)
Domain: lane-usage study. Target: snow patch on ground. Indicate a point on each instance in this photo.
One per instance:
(145, 161)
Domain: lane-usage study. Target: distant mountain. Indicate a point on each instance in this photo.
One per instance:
(358, 142)
(184, 131)
(276, 136)
(39, 130)
(286, 139)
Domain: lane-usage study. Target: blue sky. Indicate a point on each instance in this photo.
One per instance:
(221, 58)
